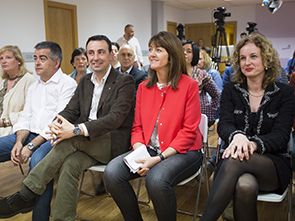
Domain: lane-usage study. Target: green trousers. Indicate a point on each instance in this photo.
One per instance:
(70, 157)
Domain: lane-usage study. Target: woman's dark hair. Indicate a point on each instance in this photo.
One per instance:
(196, 51)
(116, 44)
(176, 59)
(77, 52)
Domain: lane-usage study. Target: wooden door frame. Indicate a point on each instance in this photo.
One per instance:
(213, 28)
(72, 8)
(174, 24)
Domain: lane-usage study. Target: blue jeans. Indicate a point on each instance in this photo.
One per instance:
(41, 210)
(159, 183)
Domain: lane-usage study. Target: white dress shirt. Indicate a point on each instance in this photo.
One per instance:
(133, 42)
(97, 91)
(44, 100)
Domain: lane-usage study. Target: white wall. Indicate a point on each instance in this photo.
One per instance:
(22, 22)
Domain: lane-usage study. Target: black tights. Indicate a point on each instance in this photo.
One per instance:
(241, 181)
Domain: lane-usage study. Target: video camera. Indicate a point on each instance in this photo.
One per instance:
(251, 27)
(220, 13)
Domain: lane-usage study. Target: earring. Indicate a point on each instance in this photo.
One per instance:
(266, 69)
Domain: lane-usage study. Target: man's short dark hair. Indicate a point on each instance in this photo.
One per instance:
(55, 50)
(100, 38)
(127, 26)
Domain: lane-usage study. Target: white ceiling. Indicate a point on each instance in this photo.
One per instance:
(210, 4)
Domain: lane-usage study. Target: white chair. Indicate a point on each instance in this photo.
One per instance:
(203, 126)
(277, 198)
(269, 196)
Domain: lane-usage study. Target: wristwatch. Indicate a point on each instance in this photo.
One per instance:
(31, 147)
(76, 130)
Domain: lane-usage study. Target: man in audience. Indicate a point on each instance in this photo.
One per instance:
(128, 38)
(126, 58)
(103, 102)
(46, 97)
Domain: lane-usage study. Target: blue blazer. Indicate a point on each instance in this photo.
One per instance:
(138, 75)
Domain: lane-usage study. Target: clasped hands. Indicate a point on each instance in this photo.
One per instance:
(60, 129)
(240, 148)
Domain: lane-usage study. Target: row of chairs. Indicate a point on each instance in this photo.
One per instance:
(266, 197)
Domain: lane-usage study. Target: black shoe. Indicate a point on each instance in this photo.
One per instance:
(14, 204)
(100, 189)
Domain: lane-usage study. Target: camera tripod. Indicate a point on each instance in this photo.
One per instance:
(220, 37)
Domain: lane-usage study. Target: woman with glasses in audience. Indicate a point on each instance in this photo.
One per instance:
(206, 84)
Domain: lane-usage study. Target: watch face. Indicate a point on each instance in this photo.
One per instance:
(77, 130)
(31, 146)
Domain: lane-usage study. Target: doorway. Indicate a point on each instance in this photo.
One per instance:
(61, 27)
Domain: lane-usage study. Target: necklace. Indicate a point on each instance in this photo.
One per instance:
(260, 95)
(12, 78)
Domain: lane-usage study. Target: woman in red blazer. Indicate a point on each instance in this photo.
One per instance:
(167, 116)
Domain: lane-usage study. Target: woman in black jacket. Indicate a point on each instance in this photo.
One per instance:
(256, 116)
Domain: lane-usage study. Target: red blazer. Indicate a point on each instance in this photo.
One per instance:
(179, 118)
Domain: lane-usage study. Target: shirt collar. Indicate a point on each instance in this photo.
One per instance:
(54, 78)
(128, 71)
(103, 80)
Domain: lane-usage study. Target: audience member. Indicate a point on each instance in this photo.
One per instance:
(290, 67)
(45, 98)
(200, 43)
(146, 68)
(243, 35)
(227, 75)
(128, 38)
(114, 60)
(14, 83)
(206, 84)
(292, 82)
(256, 116)
(103, 101)
(174, 145)
(80, 63)
(126, 58)
(205, 64)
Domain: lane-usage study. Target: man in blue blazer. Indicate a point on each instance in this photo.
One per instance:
(126, 58)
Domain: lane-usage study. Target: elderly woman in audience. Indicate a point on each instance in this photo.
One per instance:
(14, 83)
(256, 117)
(206, 84)
(205, 64)
(80, 63)
(174, 145)
(115, 49)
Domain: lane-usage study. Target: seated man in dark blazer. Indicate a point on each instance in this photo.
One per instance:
(103, 102)
(126, 58)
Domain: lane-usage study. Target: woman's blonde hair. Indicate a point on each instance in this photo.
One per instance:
(270, 59)
(176, 59)
(18, 56)
(207, 60)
